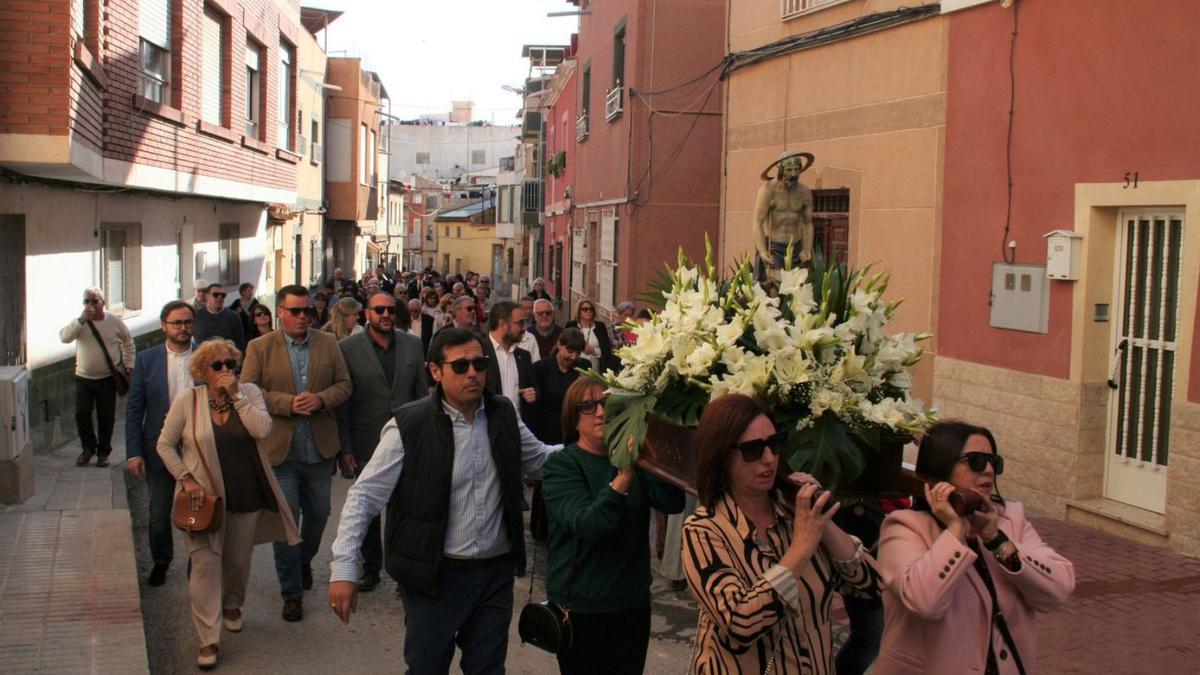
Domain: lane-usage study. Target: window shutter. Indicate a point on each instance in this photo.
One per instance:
(210, 74)
(154, 22)
(114, 266)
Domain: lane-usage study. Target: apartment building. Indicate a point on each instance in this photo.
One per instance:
(140, 146)
(561, 103)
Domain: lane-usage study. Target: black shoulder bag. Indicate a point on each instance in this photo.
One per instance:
(546, 625)
(119, 377)
(997, 617)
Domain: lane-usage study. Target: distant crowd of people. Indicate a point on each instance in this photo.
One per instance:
(443, 402)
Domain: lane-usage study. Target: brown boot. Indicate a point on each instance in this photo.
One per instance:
(102, 457)
(85, 457)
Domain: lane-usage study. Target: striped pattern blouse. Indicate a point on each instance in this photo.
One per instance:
(751, 606)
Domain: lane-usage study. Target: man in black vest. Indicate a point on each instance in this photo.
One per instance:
(454, 538)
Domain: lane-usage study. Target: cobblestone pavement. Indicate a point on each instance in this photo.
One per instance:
(68, 586)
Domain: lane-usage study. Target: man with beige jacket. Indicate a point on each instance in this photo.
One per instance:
(304, 379)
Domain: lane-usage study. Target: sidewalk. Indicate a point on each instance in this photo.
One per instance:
(69, 598)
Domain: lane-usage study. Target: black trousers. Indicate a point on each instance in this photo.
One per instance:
(101, 396)
(612, 643)
(162, 498)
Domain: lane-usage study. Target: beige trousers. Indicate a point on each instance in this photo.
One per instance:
(219, 580)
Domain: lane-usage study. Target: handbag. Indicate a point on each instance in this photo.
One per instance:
(547, 625)
(997, 617)
(119, 377)
(208, 517)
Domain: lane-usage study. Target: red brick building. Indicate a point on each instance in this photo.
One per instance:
(562, 101)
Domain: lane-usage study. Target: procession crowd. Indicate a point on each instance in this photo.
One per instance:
(445, 403)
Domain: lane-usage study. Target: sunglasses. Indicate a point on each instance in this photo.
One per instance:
(545, 312)
(384, 309)
(182, 323)
(978, 461)
(752, 451)
(217, 294)
(217, 366)
(91, 301)
(459, 366)
(588, 406)
(587, 309)
(259, 314)
(297, 311)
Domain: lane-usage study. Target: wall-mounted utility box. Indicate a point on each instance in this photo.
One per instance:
(1020, 298)
(1062, 255)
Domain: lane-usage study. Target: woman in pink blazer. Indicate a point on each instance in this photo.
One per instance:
(945, 573)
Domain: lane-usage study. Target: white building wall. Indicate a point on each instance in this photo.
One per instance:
(62, 254)
(449, 148)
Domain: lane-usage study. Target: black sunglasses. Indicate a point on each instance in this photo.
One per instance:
(217, 366)
(978, 461)
(587, 309)
(588, 406)
(459, 366)
(384, 309)
(297, 311)
(752, 451)
(91, 301)
(217, 294)
(262, 314)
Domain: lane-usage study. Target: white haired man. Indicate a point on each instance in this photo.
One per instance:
(103, 348)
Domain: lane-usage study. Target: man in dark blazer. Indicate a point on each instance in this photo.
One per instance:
(510, 368)
(420, 324)
(160, 373)
(303, 377)
(387, 368)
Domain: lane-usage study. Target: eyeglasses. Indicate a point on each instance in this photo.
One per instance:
(182, 323)
(217, 294)
(385, 309)
(218, 366)
(978, 461)
(91, 301)
(459, 366)
(297, 311)
(588, 406)
(587, 309)
(752, 451)
(262, 314)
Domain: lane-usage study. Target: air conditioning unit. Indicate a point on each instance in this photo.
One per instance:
(14, 411)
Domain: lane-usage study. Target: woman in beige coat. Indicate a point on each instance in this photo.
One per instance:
(224, 421)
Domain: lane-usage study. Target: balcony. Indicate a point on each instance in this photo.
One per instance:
(533, 197)
(581, 128)
(612, 103)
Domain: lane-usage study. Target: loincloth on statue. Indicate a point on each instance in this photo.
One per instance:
(778, 250)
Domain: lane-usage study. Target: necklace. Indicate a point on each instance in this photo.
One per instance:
(221, 406)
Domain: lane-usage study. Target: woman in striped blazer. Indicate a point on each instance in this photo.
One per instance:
(764, 569)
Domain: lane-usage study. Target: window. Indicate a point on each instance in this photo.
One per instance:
(315, 258)
(78, 12)
(227, 262)
(120, 257)
(585, 104)
(619, 55)
(362, 154)
(254, 93)
(422, 158)
(315, 153)
(286, 103)
(373, 154)
(478, 156)
(154, 50)
(458, 232)
(447, 233)
(213, 70)
(790, 8)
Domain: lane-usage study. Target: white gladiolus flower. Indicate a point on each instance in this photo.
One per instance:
(826, 399)
(699, 361)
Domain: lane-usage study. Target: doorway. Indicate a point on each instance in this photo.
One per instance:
(1144, 343)
(12, 289)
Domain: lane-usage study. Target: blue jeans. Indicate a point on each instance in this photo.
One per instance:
(306, 488)
(472, 610)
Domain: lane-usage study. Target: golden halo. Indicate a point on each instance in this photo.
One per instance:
(803, 166)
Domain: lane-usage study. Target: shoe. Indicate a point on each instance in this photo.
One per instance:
(158, 575)
(102, 458)
(293, 609)
(207, 660)
(85, 457)
(306, 582)
(233, 625)
(368, 581)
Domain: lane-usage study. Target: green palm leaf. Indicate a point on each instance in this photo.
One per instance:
(626, 416)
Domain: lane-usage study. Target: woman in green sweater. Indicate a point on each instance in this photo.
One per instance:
(599, 555)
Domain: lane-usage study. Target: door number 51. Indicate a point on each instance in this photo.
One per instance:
(1131, 180)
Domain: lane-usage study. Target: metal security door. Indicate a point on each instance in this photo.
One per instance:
(12, 289)
(1145, 338)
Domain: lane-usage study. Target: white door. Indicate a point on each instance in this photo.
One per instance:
(1145, 335)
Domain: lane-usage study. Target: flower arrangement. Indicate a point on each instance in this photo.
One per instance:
(814, 351)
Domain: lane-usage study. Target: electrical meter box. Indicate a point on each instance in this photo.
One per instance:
(1020, 298)
(1062, 255)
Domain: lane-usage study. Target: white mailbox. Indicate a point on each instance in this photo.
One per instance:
(1062, 255)
(14, 411)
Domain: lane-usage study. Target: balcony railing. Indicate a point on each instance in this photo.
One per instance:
(612, 103)
(581, 127)
(533, 197)
(790, 8)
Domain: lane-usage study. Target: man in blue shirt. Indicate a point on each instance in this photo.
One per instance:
(448, 468)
